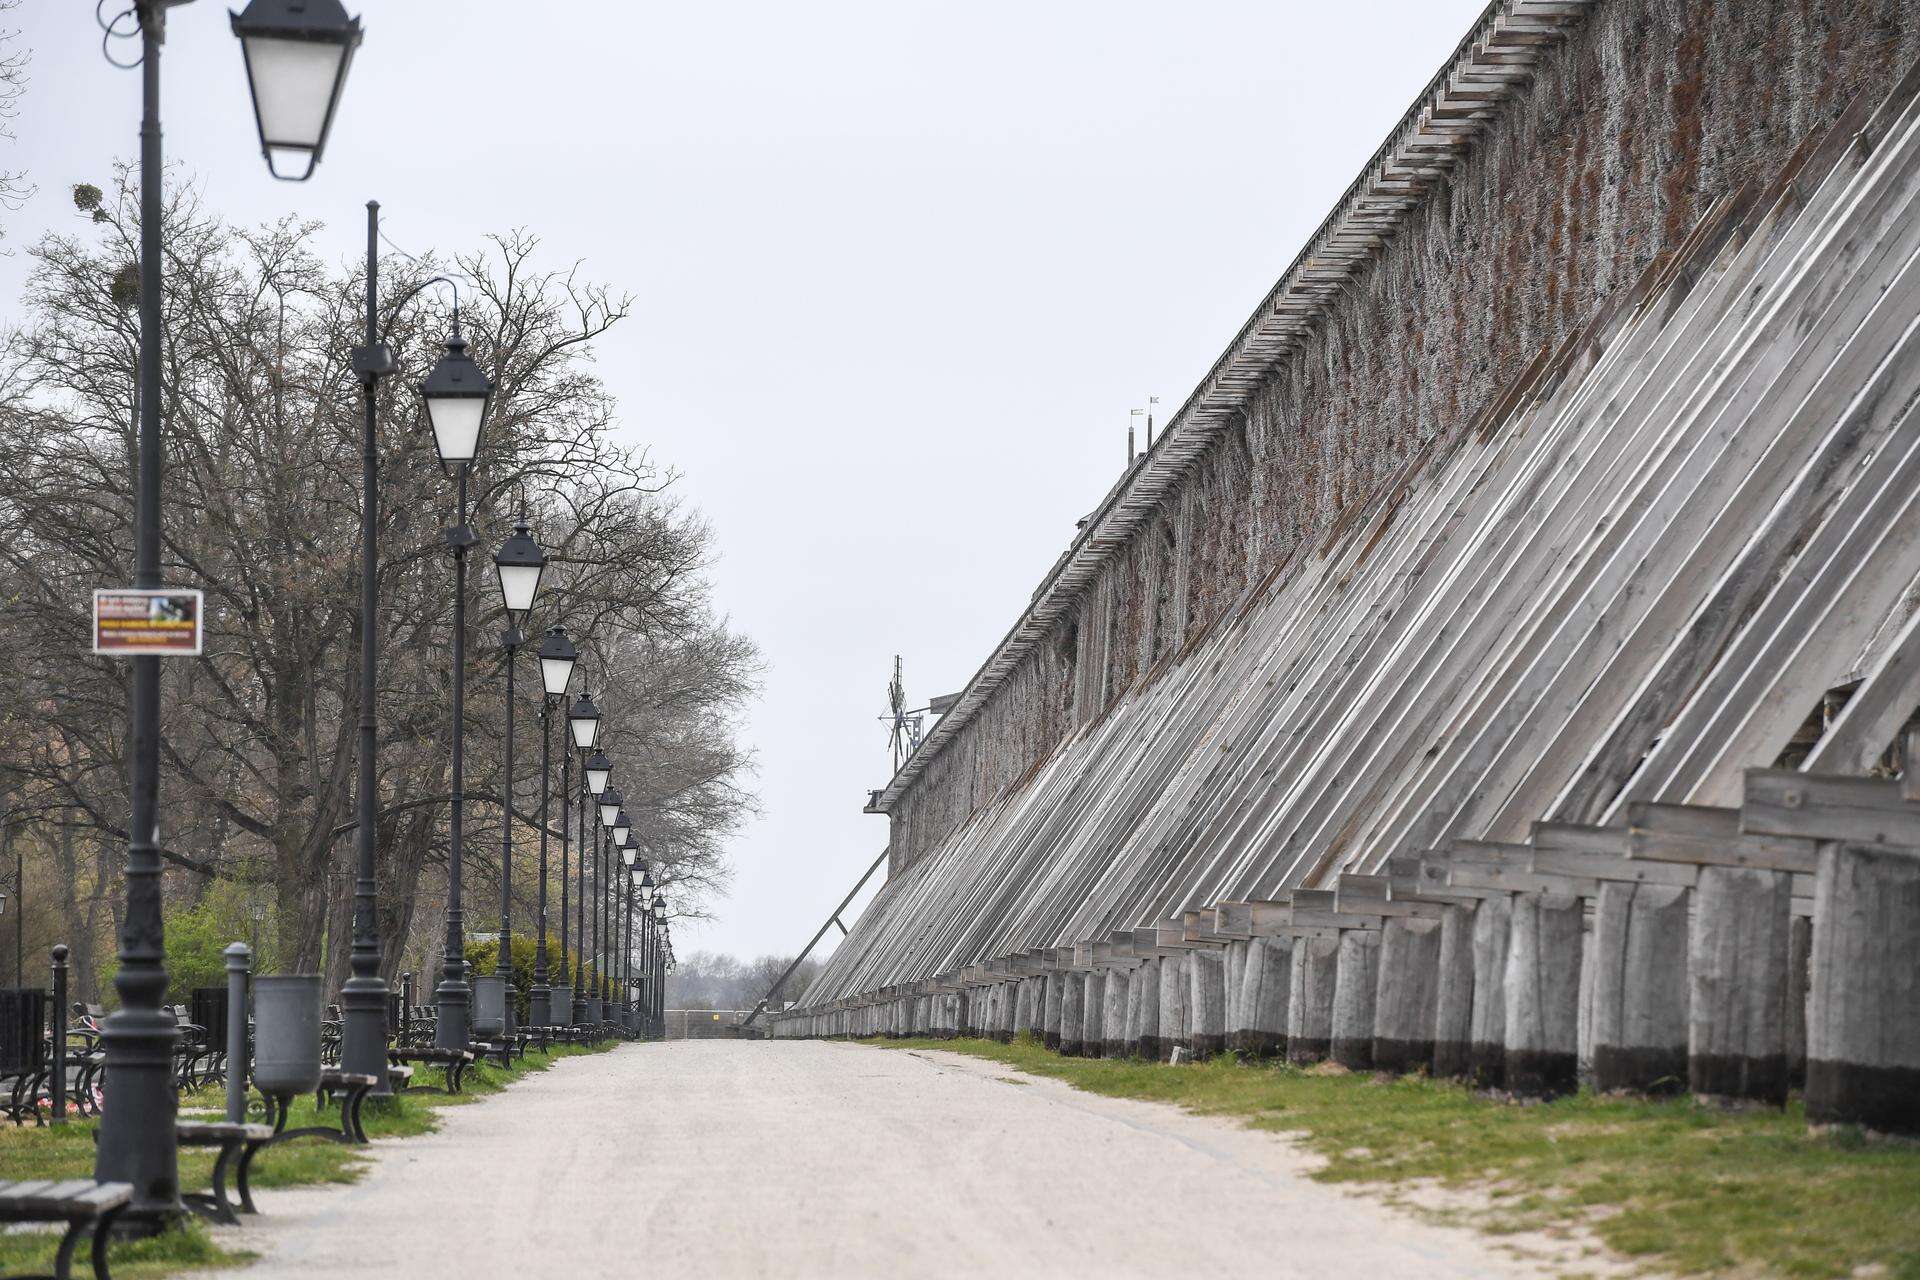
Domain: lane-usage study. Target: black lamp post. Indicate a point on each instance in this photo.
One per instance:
(624, 971)
(660, 944)
(583, 723)
(456, 394)
(622, 908)
(557, 657)
(621, 833)
(519, 564)
(599, 772)
(136, 1141)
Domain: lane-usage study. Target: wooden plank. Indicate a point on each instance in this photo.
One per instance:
(1711, 837)
(1482, 875)
(1785, 802)
(1611, 867)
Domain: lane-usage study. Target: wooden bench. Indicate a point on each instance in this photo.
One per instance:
(352, 1091)
(454, 1061)
(236, 1142)
(83, 1204)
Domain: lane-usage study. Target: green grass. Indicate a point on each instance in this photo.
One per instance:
(1669, 1184)
(66, 1151)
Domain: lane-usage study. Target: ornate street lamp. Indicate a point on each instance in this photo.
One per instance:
(297, 54)
(136, 1140)
(599, 772)
(583, 723)
(456, 393)
(519, 564)
(609, 804)
(557, 656)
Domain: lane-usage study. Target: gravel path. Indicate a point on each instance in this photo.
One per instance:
(793, 1158)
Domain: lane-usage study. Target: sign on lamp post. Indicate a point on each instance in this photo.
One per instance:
(131, 623)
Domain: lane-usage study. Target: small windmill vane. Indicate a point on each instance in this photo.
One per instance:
(903, 726)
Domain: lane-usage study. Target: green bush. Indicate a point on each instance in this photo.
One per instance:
(485, 956)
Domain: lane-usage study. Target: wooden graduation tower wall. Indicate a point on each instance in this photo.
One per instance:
(1476, 669)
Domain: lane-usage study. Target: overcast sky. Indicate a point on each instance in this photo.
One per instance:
(901, 270)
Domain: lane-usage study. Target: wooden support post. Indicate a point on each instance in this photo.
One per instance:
(1356, 985)
(1863, 1031)
(1073, 1006)
(1023, 1008)
(1737, 1000)
(1009, 995)
(1236, 964)
(1543, 995)
(1310, 1002)
(1143, 1014)
(1266, 982)
(1116, 994)
(1174, 1030)
(1799, 966)
(1639, 980)
(1207, 999)
(1051, 1008)
(1453, 994)
(1487, 1056)
(1093, 1036)
(1408, 985)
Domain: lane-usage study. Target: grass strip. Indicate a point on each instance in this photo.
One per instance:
(66, 1151)
(1667, 1183)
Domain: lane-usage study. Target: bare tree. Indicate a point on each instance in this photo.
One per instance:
(14, 187)
(261, 511)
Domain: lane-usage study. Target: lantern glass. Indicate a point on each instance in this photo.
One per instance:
(456, 393)
(628, 853)
(297, 53)
(557, 657)
(584, 721)
(609, 814)
(456, 426)
(599, 773)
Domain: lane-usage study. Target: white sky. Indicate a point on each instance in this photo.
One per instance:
(901, 270)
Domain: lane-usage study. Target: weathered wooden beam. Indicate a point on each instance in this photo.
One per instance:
(1703, 836)
(1785, 802)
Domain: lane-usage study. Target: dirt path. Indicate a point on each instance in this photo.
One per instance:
(793, 1158)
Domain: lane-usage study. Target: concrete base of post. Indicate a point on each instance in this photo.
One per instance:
(1863, 1038)
(1266, 979)
(1453, 994)
(1093, 990)
(1310, 1002)
(1115, 994)
(1487, 1050)
(1073, 1009)
(1050, 996)
(1404, 1003)
(1639, 1015)
(1207, 1002)
(1543, 995)
(1173, 1006)
(1143, 1012)
(1737, 991)
(1355, 989)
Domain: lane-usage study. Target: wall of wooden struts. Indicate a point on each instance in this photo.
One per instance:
(1566, 146)
(1573, 752)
